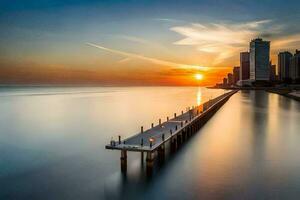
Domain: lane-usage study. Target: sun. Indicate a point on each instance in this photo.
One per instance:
(198, 77)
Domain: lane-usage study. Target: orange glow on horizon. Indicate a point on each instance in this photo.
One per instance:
(27, 73)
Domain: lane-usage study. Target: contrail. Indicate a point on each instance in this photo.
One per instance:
(153, 60)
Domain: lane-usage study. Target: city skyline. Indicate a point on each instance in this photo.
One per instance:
(137, 43)
(256, 68)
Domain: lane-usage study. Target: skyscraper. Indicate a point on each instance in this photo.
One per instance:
(224, 81)
(236, 74)
(284, 65)
(272, 72)
(295, 66)
(245, 66)
(259, 60)
(230, 79)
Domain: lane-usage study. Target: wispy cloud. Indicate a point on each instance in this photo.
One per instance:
(224, 40)
(142, 41)
(135, 39)
(287, 42)
(169, 20)
(124, 60)
(254, 24)
(149, 59)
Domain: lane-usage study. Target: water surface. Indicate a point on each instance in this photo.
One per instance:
(52, 145)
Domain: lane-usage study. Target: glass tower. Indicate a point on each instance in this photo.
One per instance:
(259, 60)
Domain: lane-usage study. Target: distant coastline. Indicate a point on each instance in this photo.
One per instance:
(290, 91)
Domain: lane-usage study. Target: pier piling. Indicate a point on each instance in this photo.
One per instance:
(123, 160)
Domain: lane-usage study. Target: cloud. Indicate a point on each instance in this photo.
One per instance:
(149, 59)
(135, 39)
(142, 41)
(255, 24)
(169, 20)
(224, 40)
(125, 60)
(288, 42)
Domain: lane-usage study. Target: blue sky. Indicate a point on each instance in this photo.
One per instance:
(208, 33)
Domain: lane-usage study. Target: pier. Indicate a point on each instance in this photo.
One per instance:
(175, 130)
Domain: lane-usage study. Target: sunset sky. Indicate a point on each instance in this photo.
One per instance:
(137, 42)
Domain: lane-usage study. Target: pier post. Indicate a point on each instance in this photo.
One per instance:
(179, 139)
(161, 152)
(152, 125)
(194, 128)
(173, 144)
(123, 161)
(186, 133)
(119, 139)
(149, 162)
(142, 158)
(183, 136)
(159, 122)
(167, 118)
(174, 115)
(142, 129)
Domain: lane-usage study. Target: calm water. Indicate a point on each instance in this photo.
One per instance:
(52, 145)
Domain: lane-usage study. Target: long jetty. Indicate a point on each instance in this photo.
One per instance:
(175, 130)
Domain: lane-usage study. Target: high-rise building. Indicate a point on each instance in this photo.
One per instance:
(284, 65)
(230, 79)
(245, 66)
(272, 72)
(295, 66)
(259, 60)
(236, 74)
(224, 81)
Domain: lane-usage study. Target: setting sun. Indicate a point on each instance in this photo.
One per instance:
(198, 76)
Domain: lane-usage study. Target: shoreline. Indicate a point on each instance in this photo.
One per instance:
(284, 91)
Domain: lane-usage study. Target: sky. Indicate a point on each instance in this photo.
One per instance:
(137, 42)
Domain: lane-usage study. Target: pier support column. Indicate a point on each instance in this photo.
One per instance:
(161, 152)
(173, 144)
(184, 135)
(142, 157)
(123, 161)
(179, 139)
(193, 127)
(149, 163)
